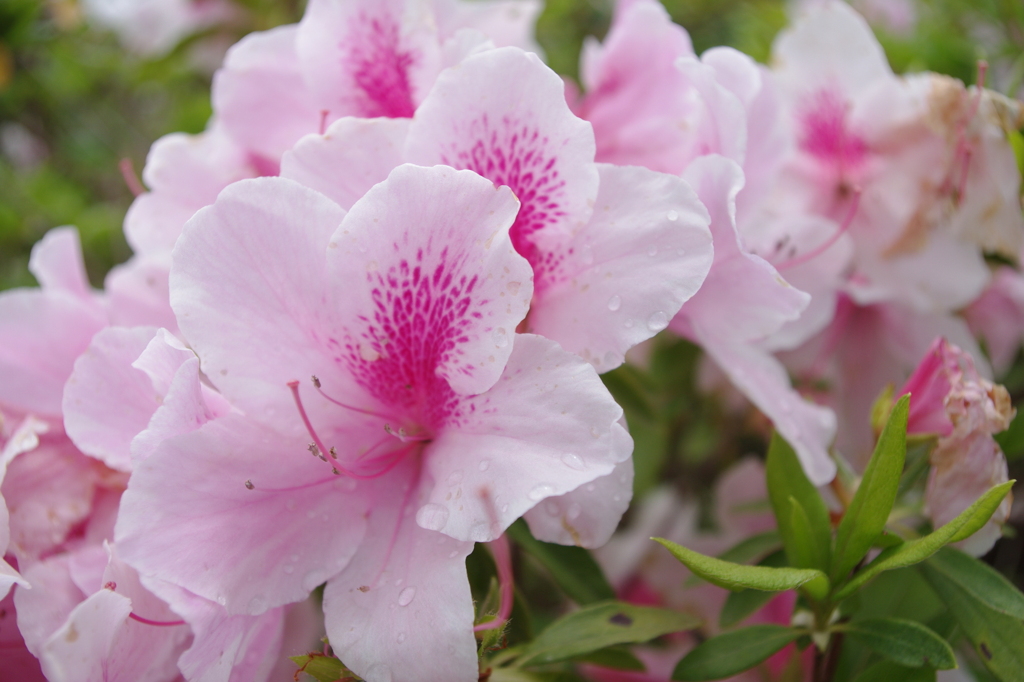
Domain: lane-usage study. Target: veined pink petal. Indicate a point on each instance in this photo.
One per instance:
(515, 131)
(509, 23)
(107, 402)
(261, 95)
(252, 266)
(645, 251)
(434, 246)
(57, 264)
(587, 516)
(402, 609)
(369, 58)
(506, 457)
(352, 156)
(44, 608)
(249, 549)
(138, 294)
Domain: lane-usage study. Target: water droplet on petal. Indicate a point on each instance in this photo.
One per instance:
(221, 599)
(455, 477)
(657, 321)
(485, 464)
(432, 516)
(628, 324)
(652, 252)
(673, 215)
(614, 303)
(573, 462)
(539, 492)
(500, 337)
(379, 673)
(406, 596)
(591, 487)
(401, 637)
(257, 604)
(574, 512)
(504, 508)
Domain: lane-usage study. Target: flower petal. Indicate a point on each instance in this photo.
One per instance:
(547, 427)
(645, 252)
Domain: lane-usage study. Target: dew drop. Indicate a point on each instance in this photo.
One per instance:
(500, 337)
(455, 477)
(591, 487)
(406, 596)
(574, 512)
(432, 516)
(221, 599)
(379, 673)
(673, 216)
(657, 321)
(573, 461)
(401, 637)
(652, 252)
(628, 324)
(614, 303)
(452, 554)
(485, 464)
(504, 508)
(539, 492)
(257, 604)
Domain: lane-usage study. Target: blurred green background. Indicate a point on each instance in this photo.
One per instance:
(74, 102)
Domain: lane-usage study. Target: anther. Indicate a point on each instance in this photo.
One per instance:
(335, 471)
(316, 381)
(110, 585)
(249, 484)
(334, 452)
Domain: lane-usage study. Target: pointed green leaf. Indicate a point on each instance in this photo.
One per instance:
(979, 580)
(754, 548)
(887, 671)
(321, 668)
(573, 568)
(906, 642)
(865, 519)
(739, 577)
(916, 551)
(808, 541)
(997, 638)
(733, 652)
(601, 625)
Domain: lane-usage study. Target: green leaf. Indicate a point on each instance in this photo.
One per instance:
(733, 652)
(616, 658)
(739, 605)
(573, 568)
(756, 547)
(916, 551)
(998, 638)
(322, 668)
(799, 510)
(887, 671)
(906, 642)
(1011, 441)
(739, 577)
(602, 625)
(865, 518)
(979, 580)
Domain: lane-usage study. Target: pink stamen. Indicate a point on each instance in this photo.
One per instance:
(158, 623)
(502, 554)
(401, 435)
(130, 178)
(323, 120)
(316, 384)
(961, 187)
(827, 244)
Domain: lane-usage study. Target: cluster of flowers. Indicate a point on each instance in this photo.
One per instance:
(368, 306)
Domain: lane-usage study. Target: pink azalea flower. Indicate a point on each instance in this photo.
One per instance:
(442, 424)
(742, 302)
(997, 316)
(949, 397)
(614, 250)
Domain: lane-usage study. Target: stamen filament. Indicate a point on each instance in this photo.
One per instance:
(827, 244)
(159, 623)
(371, 413)
(502, 554)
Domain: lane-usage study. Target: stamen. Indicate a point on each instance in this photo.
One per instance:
(317, 443)
(316, 384)
(827, 244)
(159, 623)
(130, 178)
(401, 435)
(503, 561)
(249, 484)
(323, 120)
